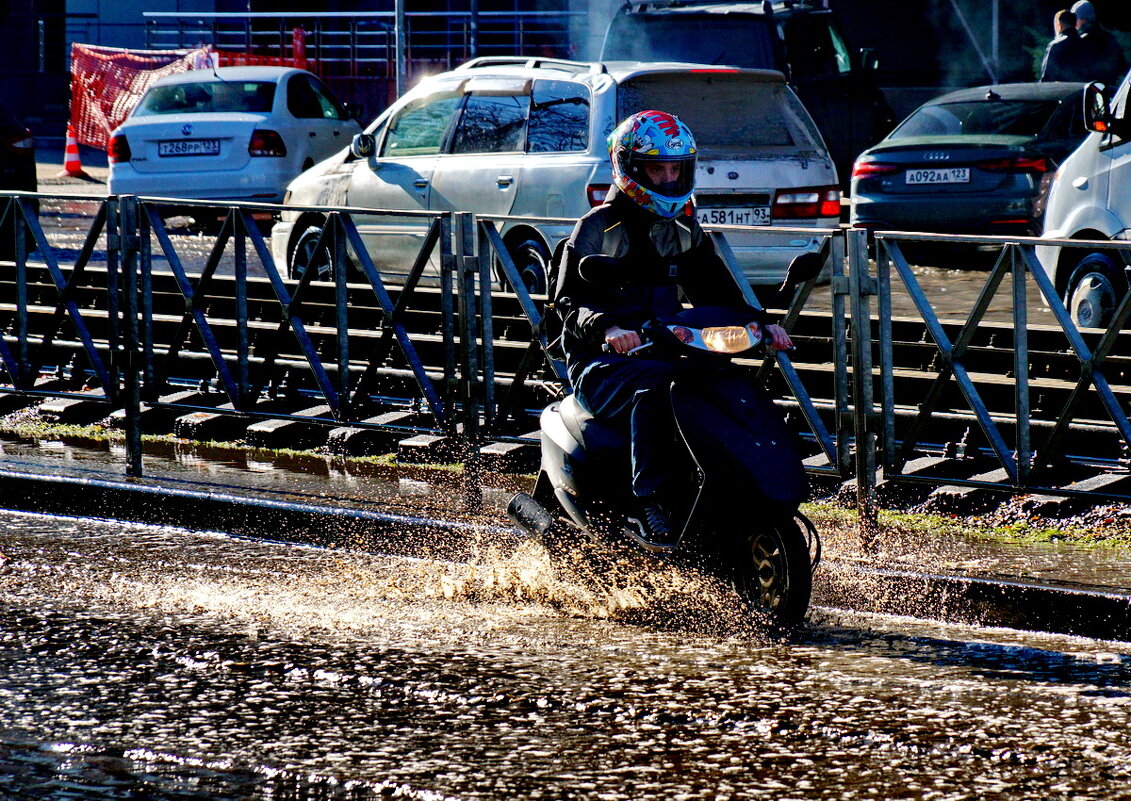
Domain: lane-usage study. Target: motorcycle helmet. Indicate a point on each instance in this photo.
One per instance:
(654, 139)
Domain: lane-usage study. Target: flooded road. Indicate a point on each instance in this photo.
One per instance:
(156, 663)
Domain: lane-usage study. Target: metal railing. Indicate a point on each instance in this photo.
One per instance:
(468, 346)
(1026, 461)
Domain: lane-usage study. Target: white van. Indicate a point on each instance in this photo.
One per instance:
(1090, 198)
(514, 137)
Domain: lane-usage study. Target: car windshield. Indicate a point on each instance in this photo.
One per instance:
(979, 117)
(206, 97)
(760, 114)
(699, 39)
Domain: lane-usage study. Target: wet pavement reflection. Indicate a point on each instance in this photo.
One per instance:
(153, 662)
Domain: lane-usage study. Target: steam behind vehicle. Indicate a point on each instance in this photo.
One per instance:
(974, 161)
(234, 133)
(524, 137)
(800, 39)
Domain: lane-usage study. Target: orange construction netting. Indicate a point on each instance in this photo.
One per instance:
(107, 82)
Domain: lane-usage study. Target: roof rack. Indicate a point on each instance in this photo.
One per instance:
(591, 67)
(767, 6)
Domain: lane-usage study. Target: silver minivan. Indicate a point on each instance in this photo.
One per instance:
(526, 139)
(1089, 200)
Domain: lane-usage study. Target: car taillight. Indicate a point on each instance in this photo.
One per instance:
(863, 168)
(22, 143)
(266, 143)
(807, 203)
(1031, 165)
(596, 194)
(119, 150)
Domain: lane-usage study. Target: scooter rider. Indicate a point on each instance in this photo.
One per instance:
(648, 223)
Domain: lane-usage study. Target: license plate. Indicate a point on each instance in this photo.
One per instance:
(758, 215)
(189, 147)
(932, 175)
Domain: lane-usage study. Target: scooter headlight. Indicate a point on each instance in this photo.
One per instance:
(732, 338)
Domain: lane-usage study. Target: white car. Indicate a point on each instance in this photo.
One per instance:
(1089, 200)
(234, 133)
(522, 137)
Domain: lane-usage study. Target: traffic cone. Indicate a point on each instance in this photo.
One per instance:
(72, 166)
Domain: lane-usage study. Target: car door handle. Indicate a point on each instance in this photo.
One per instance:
(420, 182)
(504, 180)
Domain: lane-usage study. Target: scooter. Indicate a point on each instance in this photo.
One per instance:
(737, 479)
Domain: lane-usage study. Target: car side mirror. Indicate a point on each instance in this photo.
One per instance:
(1097, 115)
(363, 146)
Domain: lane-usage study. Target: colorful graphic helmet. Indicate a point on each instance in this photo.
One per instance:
(649, 137)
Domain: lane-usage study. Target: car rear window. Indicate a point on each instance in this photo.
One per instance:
(746, 41)
(729, 113)
(206, 97)
(980, 117)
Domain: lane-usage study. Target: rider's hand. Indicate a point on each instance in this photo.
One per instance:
(620, 340)
(779, 339)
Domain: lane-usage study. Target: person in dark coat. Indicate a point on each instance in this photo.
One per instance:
(1064, 56)
(1103, 56)
(647, 223)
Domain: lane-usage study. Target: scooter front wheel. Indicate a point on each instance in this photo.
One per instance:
(773, 574)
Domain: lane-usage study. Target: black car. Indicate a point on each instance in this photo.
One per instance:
(975, 161)
(797, 38)
(17, 154)
(17, 170)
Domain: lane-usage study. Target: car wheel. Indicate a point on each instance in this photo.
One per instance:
(1094, 290)
(532, 260)
(305, 257)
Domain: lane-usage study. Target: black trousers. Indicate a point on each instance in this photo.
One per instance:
(635, 392)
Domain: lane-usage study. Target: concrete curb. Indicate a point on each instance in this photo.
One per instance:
(1095, 612)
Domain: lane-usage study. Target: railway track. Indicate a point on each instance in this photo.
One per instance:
(59, 335)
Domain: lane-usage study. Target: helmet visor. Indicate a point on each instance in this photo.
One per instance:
(667, 177)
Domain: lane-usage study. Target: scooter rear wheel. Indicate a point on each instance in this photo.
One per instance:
(773, 573)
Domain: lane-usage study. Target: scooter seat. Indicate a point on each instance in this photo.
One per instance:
(592, 433)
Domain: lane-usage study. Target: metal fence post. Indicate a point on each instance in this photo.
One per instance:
(243, 340)
(841, 388)
(130, 343)
(470, 384)
(487, 326)
(341, 304)
(861, 284)
(1022, 406)
(448, 267)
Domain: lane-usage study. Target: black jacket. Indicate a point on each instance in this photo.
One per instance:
(661, 258)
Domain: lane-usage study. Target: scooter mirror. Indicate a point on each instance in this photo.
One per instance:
(803, 268)
(601, 269)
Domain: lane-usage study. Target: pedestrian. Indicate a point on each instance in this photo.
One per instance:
(1103, 55)
(1064, 56)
